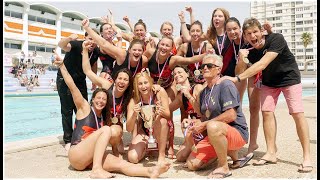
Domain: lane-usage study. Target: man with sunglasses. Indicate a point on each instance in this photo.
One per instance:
(223, 120)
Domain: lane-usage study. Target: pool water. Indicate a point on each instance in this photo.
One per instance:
(32, 117)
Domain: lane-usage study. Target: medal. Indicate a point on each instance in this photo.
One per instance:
(194, 148)
(159, 81)
(114, 120)
(207, 113)
(178, 87)
(146, 125)
(196, 72)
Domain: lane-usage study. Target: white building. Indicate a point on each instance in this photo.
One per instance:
(30, 27)
(291, 18)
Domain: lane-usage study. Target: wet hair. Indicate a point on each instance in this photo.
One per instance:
(128, 92)
(136, 41)
(197, 23)
(233, 19)
(249, 23)
(140, 22)
(188, 27)
(86, 34)
(167, 23)
(212, 32)
(187, 70)
(145, 73)
(167, 37)
(105, 110)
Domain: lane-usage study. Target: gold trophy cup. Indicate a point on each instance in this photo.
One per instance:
(148, 116)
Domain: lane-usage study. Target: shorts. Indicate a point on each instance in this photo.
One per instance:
(293, 95)
(205, 151)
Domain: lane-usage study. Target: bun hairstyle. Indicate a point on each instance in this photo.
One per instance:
(140, 22)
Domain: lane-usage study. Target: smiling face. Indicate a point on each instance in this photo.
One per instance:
(195, 32)
(107, 31)
(122, 82)
(233, 30)
(136, 51)
(144, 85)
(165, 46)
(140, 31)
(90, 40)
(99, 101)
(180, 75)
(210, 68)
(166, 29)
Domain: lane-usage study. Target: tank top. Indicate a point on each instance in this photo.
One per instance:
(118, 106)
(188, 109)
(166, 77)
(84, 127)
(192, 67)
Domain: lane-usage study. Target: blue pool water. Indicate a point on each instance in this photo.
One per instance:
(32, 117)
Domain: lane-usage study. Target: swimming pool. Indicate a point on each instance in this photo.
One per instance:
(38, 116)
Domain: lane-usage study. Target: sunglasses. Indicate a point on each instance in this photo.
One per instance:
(209, 66)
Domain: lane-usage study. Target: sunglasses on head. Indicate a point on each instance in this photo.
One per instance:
(209, 65)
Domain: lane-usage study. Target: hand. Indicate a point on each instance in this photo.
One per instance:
(156, 88)
(137, 108)
(159, 109)
(73, 37)
(198, 126)
(85, 23)
(233, 79)
(58, 61)
(267, 26)
(243, 53)
(181, 16)
(104, 19)
(189, 9)
(86, 45)
(210, 51)
(126, 19)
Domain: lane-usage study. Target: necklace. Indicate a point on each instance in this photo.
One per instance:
(95, 116)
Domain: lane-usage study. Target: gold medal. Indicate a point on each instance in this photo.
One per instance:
(196, 72)
(194, 148)
(159, 81)
(146, 125)
(207, 113)
(178, 87)
(114, 120)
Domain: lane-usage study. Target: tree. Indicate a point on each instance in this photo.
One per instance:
(306, 39)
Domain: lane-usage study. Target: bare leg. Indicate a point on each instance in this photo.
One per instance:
(114, 164)
(241, 88)
(254, 107)
(137, 148)
(161, 131)
(303, 133)
(116, 138)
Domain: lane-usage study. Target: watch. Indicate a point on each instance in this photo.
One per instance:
(238, 78)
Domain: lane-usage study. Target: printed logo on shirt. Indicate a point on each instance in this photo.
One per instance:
(227, 103)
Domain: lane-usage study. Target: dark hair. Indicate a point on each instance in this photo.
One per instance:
(86, 34)
(128, 92)
(105, 110)
(233, 19)
(136, 41)
(101, 27)
(197, 23)
(188, 27)
(187, 70)
(140, 22)
(212, 32)
(250, 22)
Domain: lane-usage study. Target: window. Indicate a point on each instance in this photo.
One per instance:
(299, 16)
(307, 8)
(309, 50)
(31, 18)
(16, 15)
(6, 45)
(40, 19)
(299, 22)
(299, 29)
(31, 48)
(50, 21)
(278, 11)
(41, 48)
(299, 2)
(308, 22)
(299, 50)
(49, 49)
(278, 4)
(7, 13)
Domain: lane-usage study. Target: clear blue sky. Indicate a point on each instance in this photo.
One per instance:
(155, 12)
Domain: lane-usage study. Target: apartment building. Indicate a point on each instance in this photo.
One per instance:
(291, 18)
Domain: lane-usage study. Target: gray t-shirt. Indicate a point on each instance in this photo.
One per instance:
(223, 97)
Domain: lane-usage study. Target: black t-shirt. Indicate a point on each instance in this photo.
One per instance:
(73, 61)
(283, 70)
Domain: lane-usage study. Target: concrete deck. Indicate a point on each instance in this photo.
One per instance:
(46, 158)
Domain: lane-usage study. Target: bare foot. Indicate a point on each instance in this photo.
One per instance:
(100, 174)
(220, 172)
(161, 168)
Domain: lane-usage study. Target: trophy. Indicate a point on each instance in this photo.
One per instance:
(148, 117)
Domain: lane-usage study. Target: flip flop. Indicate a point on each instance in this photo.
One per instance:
(305, 169)
(265, 162)
(222, 175)
(243, 161)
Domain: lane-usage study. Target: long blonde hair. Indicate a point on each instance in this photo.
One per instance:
(145, 73)
(212, 32)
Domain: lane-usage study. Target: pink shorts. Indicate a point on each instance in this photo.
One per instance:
(293, 95)
(205, 151)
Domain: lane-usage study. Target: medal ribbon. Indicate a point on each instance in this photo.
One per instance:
(218, 44)
(95, 116)
(159, 65)
(234, 50)
(114, 104)
(207, 101)
(135, 71)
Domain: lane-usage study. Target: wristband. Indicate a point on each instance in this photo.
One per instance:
(237, 76)
(182, 22)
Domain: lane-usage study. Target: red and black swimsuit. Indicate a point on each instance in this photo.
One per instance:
(84, 127)
(192, 67)
(119, 109)
(125, 64)
(166, 76)
(188, 109)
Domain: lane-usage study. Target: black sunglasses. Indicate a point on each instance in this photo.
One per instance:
(209, 65)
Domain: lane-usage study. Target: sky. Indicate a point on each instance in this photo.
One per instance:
(154, 13)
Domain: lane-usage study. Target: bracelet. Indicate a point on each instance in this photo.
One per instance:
(182, 22)
(238, 78)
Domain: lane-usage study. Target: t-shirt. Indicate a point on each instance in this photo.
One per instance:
(283, 70)
(73, 61)
(224, 96)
